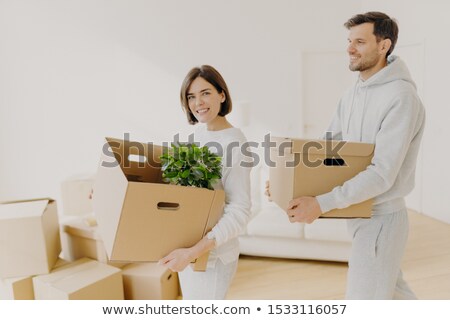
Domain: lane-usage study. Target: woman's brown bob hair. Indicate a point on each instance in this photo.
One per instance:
(213, 77)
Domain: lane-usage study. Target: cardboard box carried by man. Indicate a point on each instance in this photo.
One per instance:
(312, 167)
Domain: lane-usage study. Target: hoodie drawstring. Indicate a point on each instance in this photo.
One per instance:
(363, 114)
(351, 107)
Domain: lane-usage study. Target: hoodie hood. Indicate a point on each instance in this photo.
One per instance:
(395, 70)
(366, 96)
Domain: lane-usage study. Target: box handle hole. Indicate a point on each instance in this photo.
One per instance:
(168, 206)
(137, 158)
(335, 162)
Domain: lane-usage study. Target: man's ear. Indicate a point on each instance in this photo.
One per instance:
(385, 45)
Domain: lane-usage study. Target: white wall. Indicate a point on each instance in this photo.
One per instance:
(426, 24)
(325, 77)
(73, 72)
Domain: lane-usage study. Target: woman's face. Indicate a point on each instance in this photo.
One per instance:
(204, 100)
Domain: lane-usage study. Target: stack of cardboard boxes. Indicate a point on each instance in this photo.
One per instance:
(30, 267)
(141, 280)
(140, 220)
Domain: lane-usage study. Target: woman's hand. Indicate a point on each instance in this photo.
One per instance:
(178, 259)
(267, 190)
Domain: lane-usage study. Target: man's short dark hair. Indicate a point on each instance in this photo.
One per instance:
(384, 27)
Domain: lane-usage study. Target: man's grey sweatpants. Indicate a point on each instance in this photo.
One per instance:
(377, 250)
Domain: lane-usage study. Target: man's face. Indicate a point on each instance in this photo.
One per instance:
(363, 49)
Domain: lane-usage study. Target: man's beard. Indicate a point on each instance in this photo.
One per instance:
(365, 64)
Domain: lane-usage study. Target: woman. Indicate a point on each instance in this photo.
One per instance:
(205, 99)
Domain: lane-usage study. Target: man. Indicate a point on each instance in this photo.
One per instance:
(381, 108)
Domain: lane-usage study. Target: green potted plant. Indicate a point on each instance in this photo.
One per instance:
(187, 164)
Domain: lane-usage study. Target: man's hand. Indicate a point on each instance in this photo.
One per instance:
(304, 209)
(178, 259)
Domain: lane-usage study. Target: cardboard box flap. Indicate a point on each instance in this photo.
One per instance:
(216, 210)
(109, 192)
(18, 209)
(332, 147)
(139, 161)
(49, 200)
(216, 213)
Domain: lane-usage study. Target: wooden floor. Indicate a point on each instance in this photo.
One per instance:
(426, 267)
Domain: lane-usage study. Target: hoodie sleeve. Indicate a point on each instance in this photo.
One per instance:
(401, 124)
(236, 183)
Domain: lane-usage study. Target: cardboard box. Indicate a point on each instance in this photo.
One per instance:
(75, 192)
(81, 239)
(140, 218)
(314, 167)
(29, 237)
(19, 288)
(60, 263)
(150, 281)
(84, 279)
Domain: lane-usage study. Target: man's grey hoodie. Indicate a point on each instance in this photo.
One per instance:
(384, 110)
